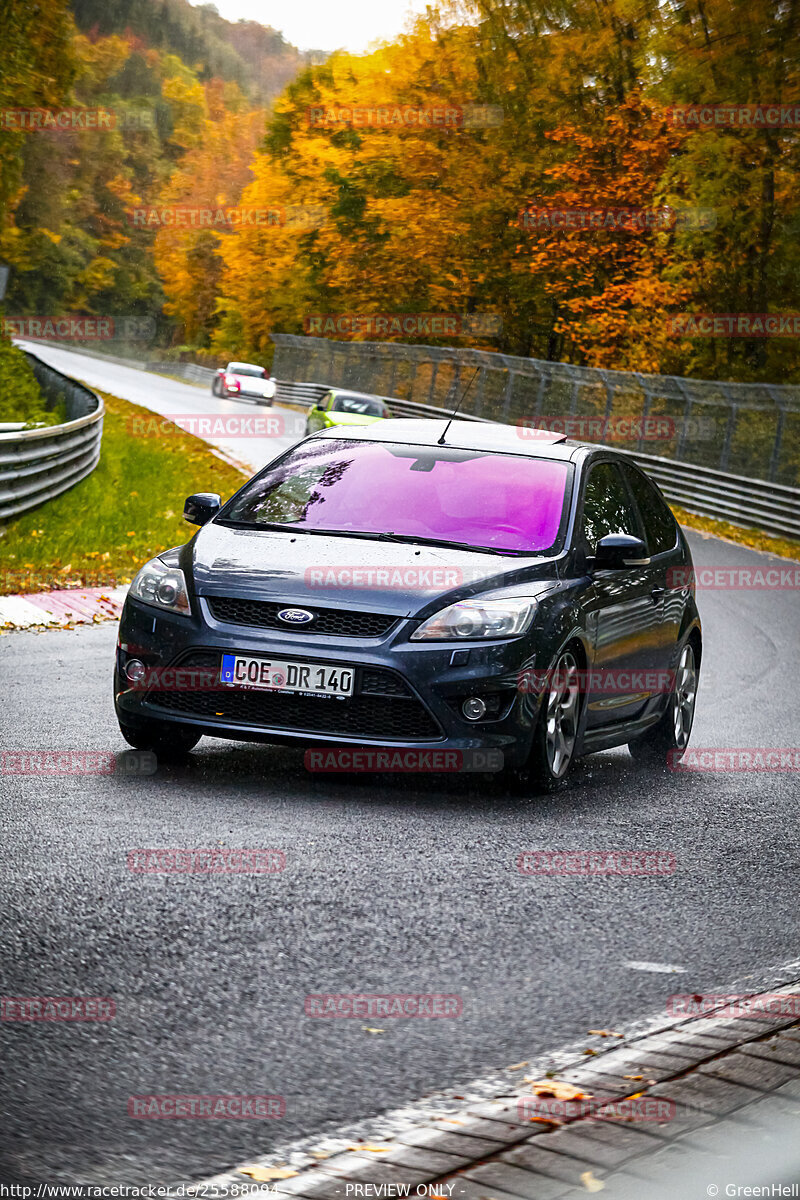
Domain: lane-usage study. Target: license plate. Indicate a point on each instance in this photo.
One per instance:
(278, 675)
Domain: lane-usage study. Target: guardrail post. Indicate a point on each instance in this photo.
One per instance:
(775, 457)
(725, 453)
(508, 394)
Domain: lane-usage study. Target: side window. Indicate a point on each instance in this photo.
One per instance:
(326, 402)
(606, 506)
(659, 523)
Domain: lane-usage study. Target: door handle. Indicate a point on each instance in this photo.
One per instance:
(657, 593)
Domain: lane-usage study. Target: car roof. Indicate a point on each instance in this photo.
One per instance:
(464, 435)
(232, 365)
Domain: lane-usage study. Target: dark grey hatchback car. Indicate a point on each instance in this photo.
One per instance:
(399, 585)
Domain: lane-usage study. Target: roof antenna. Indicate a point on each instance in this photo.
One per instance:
(457, 407)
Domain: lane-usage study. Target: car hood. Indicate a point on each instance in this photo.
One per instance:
(250, 382)
(314, 569)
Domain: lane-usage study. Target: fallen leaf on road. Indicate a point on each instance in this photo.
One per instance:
(604, 1033)
(633, 1076)
(518, 1066)
(590, 1052)
(373, 1149)
(556, 1090)
(264, 1174)
(367, 1029)
(590, 1183)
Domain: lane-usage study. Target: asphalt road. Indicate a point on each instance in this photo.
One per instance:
(394, 884)
(171, 398)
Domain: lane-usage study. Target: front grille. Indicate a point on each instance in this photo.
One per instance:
(263, 614)
(382, 707)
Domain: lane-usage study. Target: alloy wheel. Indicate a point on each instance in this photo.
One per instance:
(684, 697)
(561, 719)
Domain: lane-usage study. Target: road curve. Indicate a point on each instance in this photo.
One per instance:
(171, 398)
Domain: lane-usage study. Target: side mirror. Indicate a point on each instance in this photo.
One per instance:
(618, 550)
(201, 507)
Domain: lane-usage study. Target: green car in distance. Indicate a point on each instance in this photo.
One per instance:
(340, 407)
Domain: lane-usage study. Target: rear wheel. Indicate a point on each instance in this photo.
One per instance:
(671, 734)
(215, 386)
(170, 743)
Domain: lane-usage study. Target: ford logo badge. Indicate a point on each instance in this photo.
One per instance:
(295, 616)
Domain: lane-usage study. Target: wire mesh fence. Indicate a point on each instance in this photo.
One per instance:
(747, 429)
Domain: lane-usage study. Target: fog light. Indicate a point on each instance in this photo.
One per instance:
(474, 708)
(135, 670)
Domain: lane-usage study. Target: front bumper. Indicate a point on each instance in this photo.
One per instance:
(405, 694)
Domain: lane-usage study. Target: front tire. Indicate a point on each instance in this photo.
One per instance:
(556, 735)
(671, 735)
(170, 743)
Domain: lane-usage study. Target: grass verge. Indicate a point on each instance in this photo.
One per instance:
(129, 509)
(782, 547)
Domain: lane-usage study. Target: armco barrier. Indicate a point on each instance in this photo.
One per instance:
(38, 464)
(191, 372)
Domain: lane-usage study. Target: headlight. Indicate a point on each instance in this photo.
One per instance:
(478, 619)
(162, 586)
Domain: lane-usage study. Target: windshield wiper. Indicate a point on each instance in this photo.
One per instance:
(421, 540)
(231, 524)
(379, 536)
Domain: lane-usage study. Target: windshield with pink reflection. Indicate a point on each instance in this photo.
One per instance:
(479, 499)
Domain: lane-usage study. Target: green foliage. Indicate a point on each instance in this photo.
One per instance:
(21, 398)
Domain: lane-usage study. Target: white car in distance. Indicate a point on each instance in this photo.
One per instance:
(245, 381)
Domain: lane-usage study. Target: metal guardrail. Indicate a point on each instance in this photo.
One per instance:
(38, 464)
(748, 429)
(191, 372)
(770, 507)
(299, 393)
